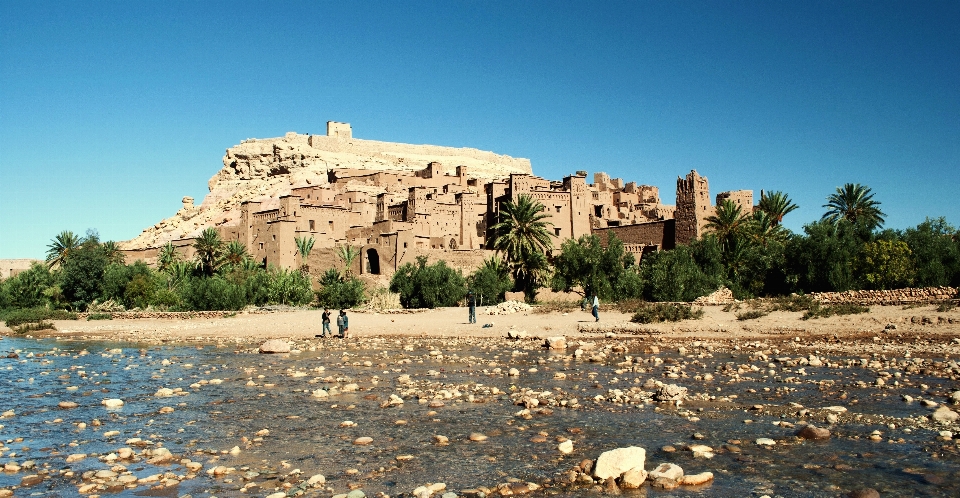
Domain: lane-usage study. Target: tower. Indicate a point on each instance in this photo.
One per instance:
(693, 207)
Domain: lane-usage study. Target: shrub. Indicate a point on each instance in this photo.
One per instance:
(16, 317)
(26, 290)
(558, 306)
(214, 294)
(752, 314)
(491, 282)
(33, 326)
(382, 299)
(423, 286)
(794, 302)
(817, 311)
(674, 275)
(946, 306)
(666, 312)
(100, 316)
(338, 292)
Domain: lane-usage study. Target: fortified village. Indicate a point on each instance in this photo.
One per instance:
(395, 202)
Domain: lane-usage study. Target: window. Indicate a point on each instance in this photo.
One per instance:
(404, 245)
(558, 209)
(261, 246)
(557, 230)
(274, 237)
(312, 226)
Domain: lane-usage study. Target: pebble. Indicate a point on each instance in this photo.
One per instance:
(696, 479)
(67, 404)
(763, 441)
(112, 403)
(566, 447)
(477, 436)
(813, 432)
(363, 441)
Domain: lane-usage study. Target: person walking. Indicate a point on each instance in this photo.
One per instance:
(596, 308)
(325, 319)
(340, 324)
(346, 324)
(472, 304)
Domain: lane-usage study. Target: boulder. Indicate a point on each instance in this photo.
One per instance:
(667, 470)
(556, 342)
(813, 432)
(633, 478)
(670, 392)
(614, 463)
(274, 346)
(696, 479)
(864, 493)
(945, 415)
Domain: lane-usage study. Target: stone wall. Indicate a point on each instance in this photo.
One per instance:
(886, 297)
(654, 233)
(168, 315)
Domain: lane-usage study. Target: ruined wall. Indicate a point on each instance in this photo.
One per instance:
(654, 233)
(741, 198)
(886, 297)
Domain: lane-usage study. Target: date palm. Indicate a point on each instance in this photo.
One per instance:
(304, 247)
(523, 238)
(728, 223)
(348, 254)
(235, 254)
(60, 247)
(209, 250)
(167, 257)
(112, 252)
(776, 205)
(854, 202)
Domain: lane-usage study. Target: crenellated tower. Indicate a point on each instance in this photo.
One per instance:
(693, 207)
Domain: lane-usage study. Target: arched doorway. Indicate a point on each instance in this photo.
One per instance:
(372, 265)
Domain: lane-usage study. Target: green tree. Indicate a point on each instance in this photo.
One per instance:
(234, 254)
(304, 248)
(81, 276)
(674, 275)
(728, 224)
(26, 289)
(338, 292)
(60, 247)
(523, 238)
(428, 286)
(885, 264)
(854, 202)
(607, 271)
(822, 259)
(112, 252)
(935, 249)
(347, 255)
(776, 205)
(491, 281)
(167, 257)
(209, 249)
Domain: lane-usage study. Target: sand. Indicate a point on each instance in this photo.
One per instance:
(716, 324)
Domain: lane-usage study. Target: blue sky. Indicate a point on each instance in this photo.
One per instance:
(110, 112)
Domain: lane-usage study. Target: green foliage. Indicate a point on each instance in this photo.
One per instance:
(885, 264)
(289, 287)
(304, 248)
(347, 255)
(210, 250)
(26, 289)
(675, 276)
(752, 314)
(558, 306)
(213, 293)
(33, 327)
(935, 250)
(818, 311)
(666, 312)
(823, 260)
(112, 252)
(99, 316)
(794, 302)
(728, 224)
(523, 238)
(491, 281)
(854, 203)
(14, 317)
(60, 248)
(946, 306)
(340, 292)
(81, 277)
(235, 254)
(607, 271)
(775, 205)
(428, 286)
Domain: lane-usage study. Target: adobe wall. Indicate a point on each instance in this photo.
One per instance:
(886, 297)
(12, 267)
(653, 233)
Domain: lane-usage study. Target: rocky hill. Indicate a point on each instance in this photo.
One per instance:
(265, 169)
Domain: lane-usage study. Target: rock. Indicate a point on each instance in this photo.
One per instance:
(441, 440)
(864, 493)
(614, 463)
(556, 342)
(945, 415)
(316, 480)
(764, 441)
(566, 447)
(274, 346)
(357, 493)
(124, 453)
(476, 436)
(696, 479)
(513, 372)
(813, 432)
(955, 397)
(363, 441)
(665, 483)
(76, 457)
(67, 405)
(633, 478)
(112, 403)
(670, 392)
(668, 470)
(164, 392)
(105, 474)
(279, 494)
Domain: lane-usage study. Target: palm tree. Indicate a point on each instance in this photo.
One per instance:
(523, 238)
(728, 224)
(763, 228)
(209, 249)
(304, 246)
(348, 254)
(854, 202)
(777, 205)
(167, 257)
(112, 252)
(60, 247)
(235, 254)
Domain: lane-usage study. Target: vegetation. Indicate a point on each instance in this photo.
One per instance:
(523, 239)
(15, 317)
(854, 203)
(818, 311)
(587, 266)
(666, 312)
(428, 286)
(304, 248)
(338, 291)
(752, 314)
(491, 281)
(99, 316)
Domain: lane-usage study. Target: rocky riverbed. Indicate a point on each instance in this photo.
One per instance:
(423, 417)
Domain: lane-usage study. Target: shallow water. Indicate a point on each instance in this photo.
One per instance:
(305, 432)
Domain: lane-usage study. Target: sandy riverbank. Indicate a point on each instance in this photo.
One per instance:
(716, 324)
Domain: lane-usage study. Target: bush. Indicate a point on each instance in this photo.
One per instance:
(100, 316)
(382, 299)
(558, 306)
(752, 314)
(338, 292)
(674, 275)
(16, 317)
(817, 311)
(946, 306)
(794, 302)
(666, 312)
(423, 286)
(490, 282)
(26, 290)
(213, 294)
(32, 327)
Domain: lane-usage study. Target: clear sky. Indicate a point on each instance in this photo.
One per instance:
(110, 112)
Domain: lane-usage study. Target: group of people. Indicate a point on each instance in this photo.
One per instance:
(343, 325)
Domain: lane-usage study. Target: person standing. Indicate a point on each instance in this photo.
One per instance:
(325, 319)
(346, 324)
(596, 308)
(472, 304)
(340, 324)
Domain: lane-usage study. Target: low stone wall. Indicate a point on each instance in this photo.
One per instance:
(886, 297)
(165, 315)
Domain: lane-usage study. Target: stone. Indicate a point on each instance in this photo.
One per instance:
(556, 342)
(476, 436)
(274, 346)
(279, 494)
(164, 392)
(633, 478)
(316, 480)
(945, 415)
(668, 470)
(124, 453)
(955, 397)
(76, 457)
(670, 392)
(765, 441)
(864, 493)
(813, 432)
(67, 405)
(665, 483)
(357, 493)
(696, 479)
(614, 463)
(565, 447)
(30, 480)
(363, 441)
(112, 403)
